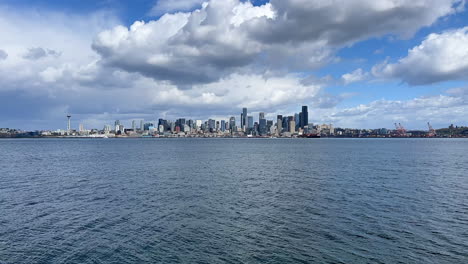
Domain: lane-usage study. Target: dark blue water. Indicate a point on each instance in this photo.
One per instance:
(234, 201)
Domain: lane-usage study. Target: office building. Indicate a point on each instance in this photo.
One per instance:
(223, 125)
(292, 126)
(304, 117)
(262, 127)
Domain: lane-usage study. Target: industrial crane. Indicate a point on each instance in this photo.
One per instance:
(432, 132)
(400, 130)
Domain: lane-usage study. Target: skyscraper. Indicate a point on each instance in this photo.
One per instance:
(68, 123)
(261, 115)
(211, 125)
(262, 127)
(279, 124)
(292, 126)
(297, 120)
(250, 122)
(305, 116)
(223, 125)
(232, 123)
(133, 125)
(244, 118)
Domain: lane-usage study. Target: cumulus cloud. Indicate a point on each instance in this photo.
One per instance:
(3, 55)
(38, 53)
(355, 76)
(440, 110)
(185, 48)
(169, 6)
(344, 22)
(440, 57)
(205, 45)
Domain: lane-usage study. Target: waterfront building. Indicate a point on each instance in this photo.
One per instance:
(148, 126)
(134, 125)
(107, 129)
(250, 122)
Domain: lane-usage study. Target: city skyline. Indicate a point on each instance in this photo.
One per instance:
(106, 60)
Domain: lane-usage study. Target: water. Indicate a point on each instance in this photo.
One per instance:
(234, 201)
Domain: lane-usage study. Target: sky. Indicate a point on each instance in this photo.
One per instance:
(356, 64)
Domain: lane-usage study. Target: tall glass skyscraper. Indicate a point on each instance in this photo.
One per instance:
(244, 120)
(304, 117)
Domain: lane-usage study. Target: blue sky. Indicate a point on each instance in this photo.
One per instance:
(355, 63)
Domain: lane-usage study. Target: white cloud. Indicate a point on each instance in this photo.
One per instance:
(355, 76)
(440, 57)
(343, 22)
(170, 6)
(39, 53)
(440, 110)
(3, 55)
(185, 48)
(227, 36)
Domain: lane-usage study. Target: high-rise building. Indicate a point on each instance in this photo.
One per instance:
(68, 123)
(285, 124)
(269, 125)
(250, 122)
(141, 125)
(232, 123)
(81, 128)
(297, 120)
(305, 116)
(181, 123)
(148, 126)
(244, 119)
(261, 115)
(279, 124)
(211, 125)
(134, 125)
(292, 126)
(262, 127)
(198, 124)
(223, 125)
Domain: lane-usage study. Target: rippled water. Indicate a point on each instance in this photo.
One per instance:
(234, 201)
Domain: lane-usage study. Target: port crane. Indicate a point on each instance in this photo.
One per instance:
(432, 132)
(400, 130)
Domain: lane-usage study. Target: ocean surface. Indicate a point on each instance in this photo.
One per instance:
(234, 201)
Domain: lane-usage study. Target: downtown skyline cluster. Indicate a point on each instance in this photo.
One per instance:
(244, 125)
